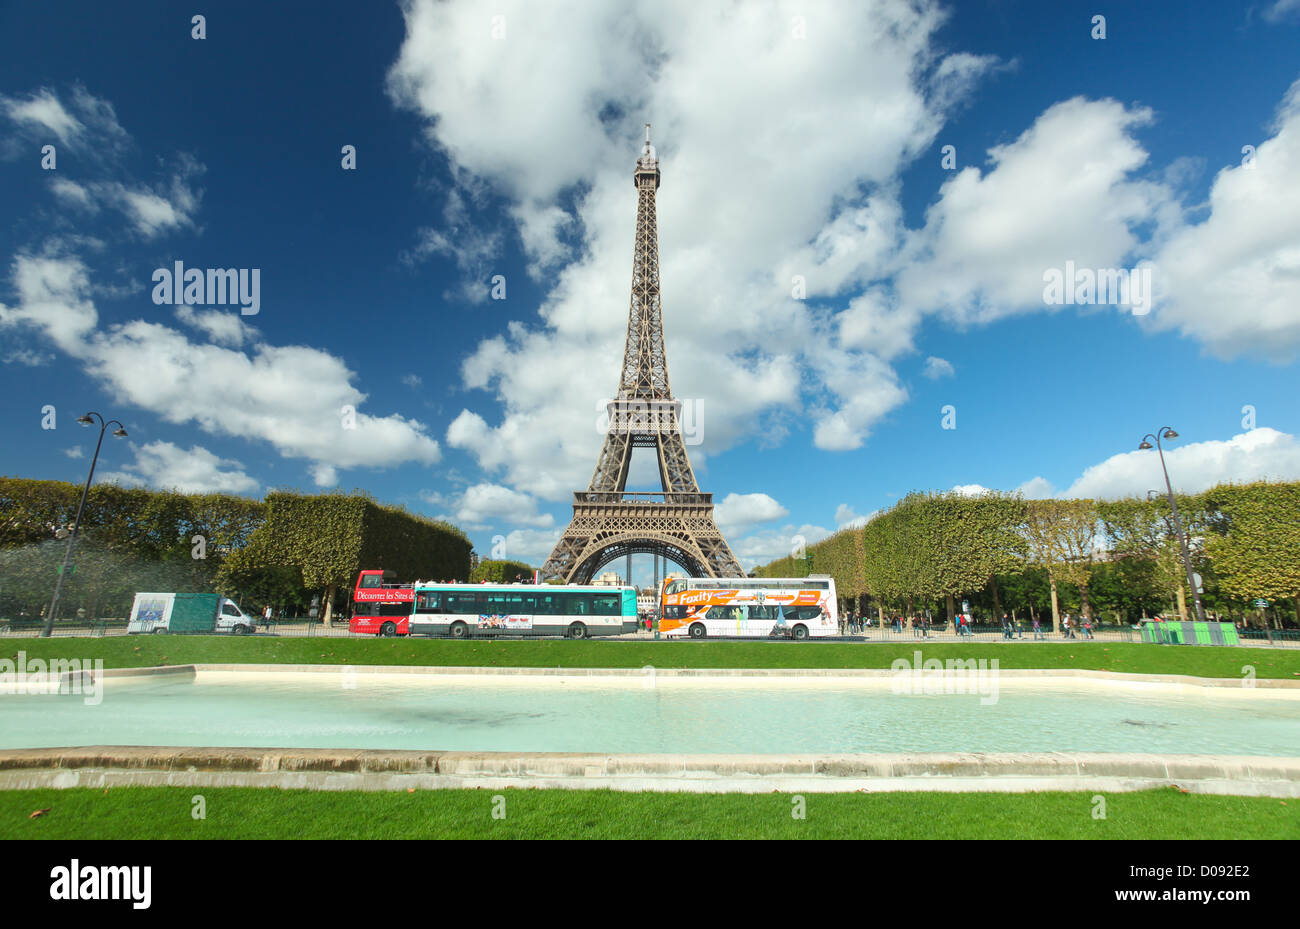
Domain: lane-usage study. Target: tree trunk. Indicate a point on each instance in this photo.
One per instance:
(1056, 605)
(952, 614)
(329, 606)
(1086, 609)
(997, 604)
(1182, 603)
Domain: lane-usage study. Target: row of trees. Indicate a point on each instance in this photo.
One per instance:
(501, 572)
(1119, 557)
(286, 550)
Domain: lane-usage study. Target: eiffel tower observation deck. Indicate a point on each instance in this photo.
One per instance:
(609, 521)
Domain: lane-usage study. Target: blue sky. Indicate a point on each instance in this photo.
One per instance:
(796, 141)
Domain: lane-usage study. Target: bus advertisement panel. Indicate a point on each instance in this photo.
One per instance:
(797, 608)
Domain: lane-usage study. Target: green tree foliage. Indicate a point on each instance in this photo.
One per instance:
(1141, 528)
(1244, 541)
(1059, 536)
(131, 539)
(941, 546)
(1253, 540)
(329, 538)
(1127, 589)
(501, 572)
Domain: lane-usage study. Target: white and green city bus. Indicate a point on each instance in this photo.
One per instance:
(575, 611)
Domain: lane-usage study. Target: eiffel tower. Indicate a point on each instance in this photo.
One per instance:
(608, 521)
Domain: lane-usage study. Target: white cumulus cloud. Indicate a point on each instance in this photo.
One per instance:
(166, 466)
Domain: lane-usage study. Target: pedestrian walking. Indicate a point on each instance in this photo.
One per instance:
(266, 616)
(1038, 630)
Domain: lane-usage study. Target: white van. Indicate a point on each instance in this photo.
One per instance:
(184, 612)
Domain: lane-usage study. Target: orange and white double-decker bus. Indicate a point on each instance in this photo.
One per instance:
(798, 607)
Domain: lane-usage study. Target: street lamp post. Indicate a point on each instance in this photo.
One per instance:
(1167, 432)
(119, 433)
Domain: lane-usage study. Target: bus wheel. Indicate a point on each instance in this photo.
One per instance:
(698, 631)
(799, 632)
(459, 630)
(388, 630)
(160, 630)
(576, 631)
(239, 630)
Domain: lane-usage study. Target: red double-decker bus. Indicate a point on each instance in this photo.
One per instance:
(381, 605)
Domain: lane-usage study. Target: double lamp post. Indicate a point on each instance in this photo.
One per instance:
(1166, 432)
(120, 433)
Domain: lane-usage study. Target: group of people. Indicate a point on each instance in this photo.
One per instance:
(851, 623)
(1068, 627)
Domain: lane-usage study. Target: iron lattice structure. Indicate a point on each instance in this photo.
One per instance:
(608, 521)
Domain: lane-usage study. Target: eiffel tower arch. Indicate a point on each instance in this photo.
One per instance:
(608, 520)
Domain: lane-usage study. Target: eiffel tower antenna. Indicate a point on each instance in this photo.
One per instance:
(608, 521)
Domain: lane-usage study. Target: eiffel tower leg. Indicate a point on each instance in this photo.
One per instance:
(614, 462)
(564, 557)
(674, 465)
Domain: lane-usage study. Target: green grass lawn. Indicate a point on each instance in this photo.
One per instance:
(148, 651)
(268, 813)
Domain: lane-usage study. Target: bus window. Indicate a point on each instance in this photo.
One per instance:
(605, 605)
(428, 601)
(549, 604)
(579, 604)
(372, 580)
(502, 603)
(465, 603)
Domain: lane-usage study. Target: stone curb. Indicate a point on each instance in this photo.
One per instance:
(382, 770)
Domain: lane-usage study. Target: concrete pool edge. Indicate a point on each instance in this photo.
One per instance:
(378, 770)
(810, 674)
